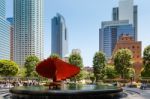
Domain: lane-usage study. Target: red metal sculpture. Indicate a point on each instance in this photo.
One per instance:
(56, 69)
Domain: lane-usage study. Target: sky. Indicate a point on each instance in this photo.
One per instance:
(83, 20)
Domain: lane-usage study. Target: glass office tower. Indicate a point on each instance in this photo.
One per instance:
(4, 33)
(110, 34)
(2, 8)
(11, 21)
(59, 36)
(124, 21)
(28, 29)
(127, 11)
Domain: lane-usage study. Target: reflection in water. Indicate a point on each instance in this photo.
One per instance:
(74, 86)
(67, 87)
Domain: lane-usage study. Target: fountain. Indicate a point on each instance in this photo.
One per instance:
(59, 70)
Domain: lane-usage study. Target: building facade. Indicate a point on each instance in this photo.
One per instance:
(124, 21)
(11, 21)
(59, 36)
(4, 33)
(2, 8)
(127, 11)
(127, 42)
(28, 29)
(109, 35)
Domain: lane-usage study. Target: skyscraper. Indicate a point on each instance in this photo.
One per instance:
(124, 21)
(4, 33)
(59, 37)
(111, 32)
(28, 29)
(127, 11)
(11, 20)
(2, 8)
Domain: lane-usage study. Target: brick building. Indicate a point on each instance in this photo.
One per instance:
(126, 41)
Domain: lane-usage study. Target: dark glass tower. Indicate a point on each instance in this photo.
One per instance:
(59, 36)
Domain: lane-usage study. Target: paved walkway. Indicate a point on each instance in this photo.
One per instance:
(4, 93)
(136, 93)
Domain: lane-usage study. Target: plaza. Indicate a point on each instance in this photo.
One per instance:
(115, 54)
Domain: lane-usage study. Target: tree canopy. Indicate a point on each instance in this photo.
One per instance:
(146, 62)
(54, 55)
(111, 73)
(22, 72)
(76, 59)
(8, 68)
(123, 61)
(30, 65)
(99, 64)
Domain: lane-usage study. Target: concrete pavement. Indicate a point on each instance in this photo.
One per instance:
(4, 93)
(136, 93)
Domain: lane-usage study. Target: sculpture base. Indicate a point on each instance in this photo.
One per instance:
(86, 92)
(54, 85)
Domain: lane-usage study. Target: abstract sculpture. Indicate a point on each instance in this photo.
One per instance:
(56, 69)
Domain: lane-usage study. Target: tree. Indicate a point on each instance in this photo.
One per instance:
(92, 77)
(54, 55)
(123, 62)
(111, 73)
(30, 65)
(8, 68)
(22, 72)
(99, 63)
(76, 59)
(146, 62)
(131, 73)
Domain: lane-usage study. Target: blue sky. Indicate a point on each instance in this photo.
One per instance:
(83, 20)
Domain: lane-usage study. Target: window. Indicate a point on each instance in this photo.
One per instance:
(133, 47)
(65, 34)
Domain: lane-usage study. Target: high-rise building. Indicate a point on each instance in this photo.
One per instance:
(111, 32)
(115, 14)
(11, 21)
(127, 11)
(59, 36)
(28, 29)
(4, 33)
(2, 8)
(124, 21)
